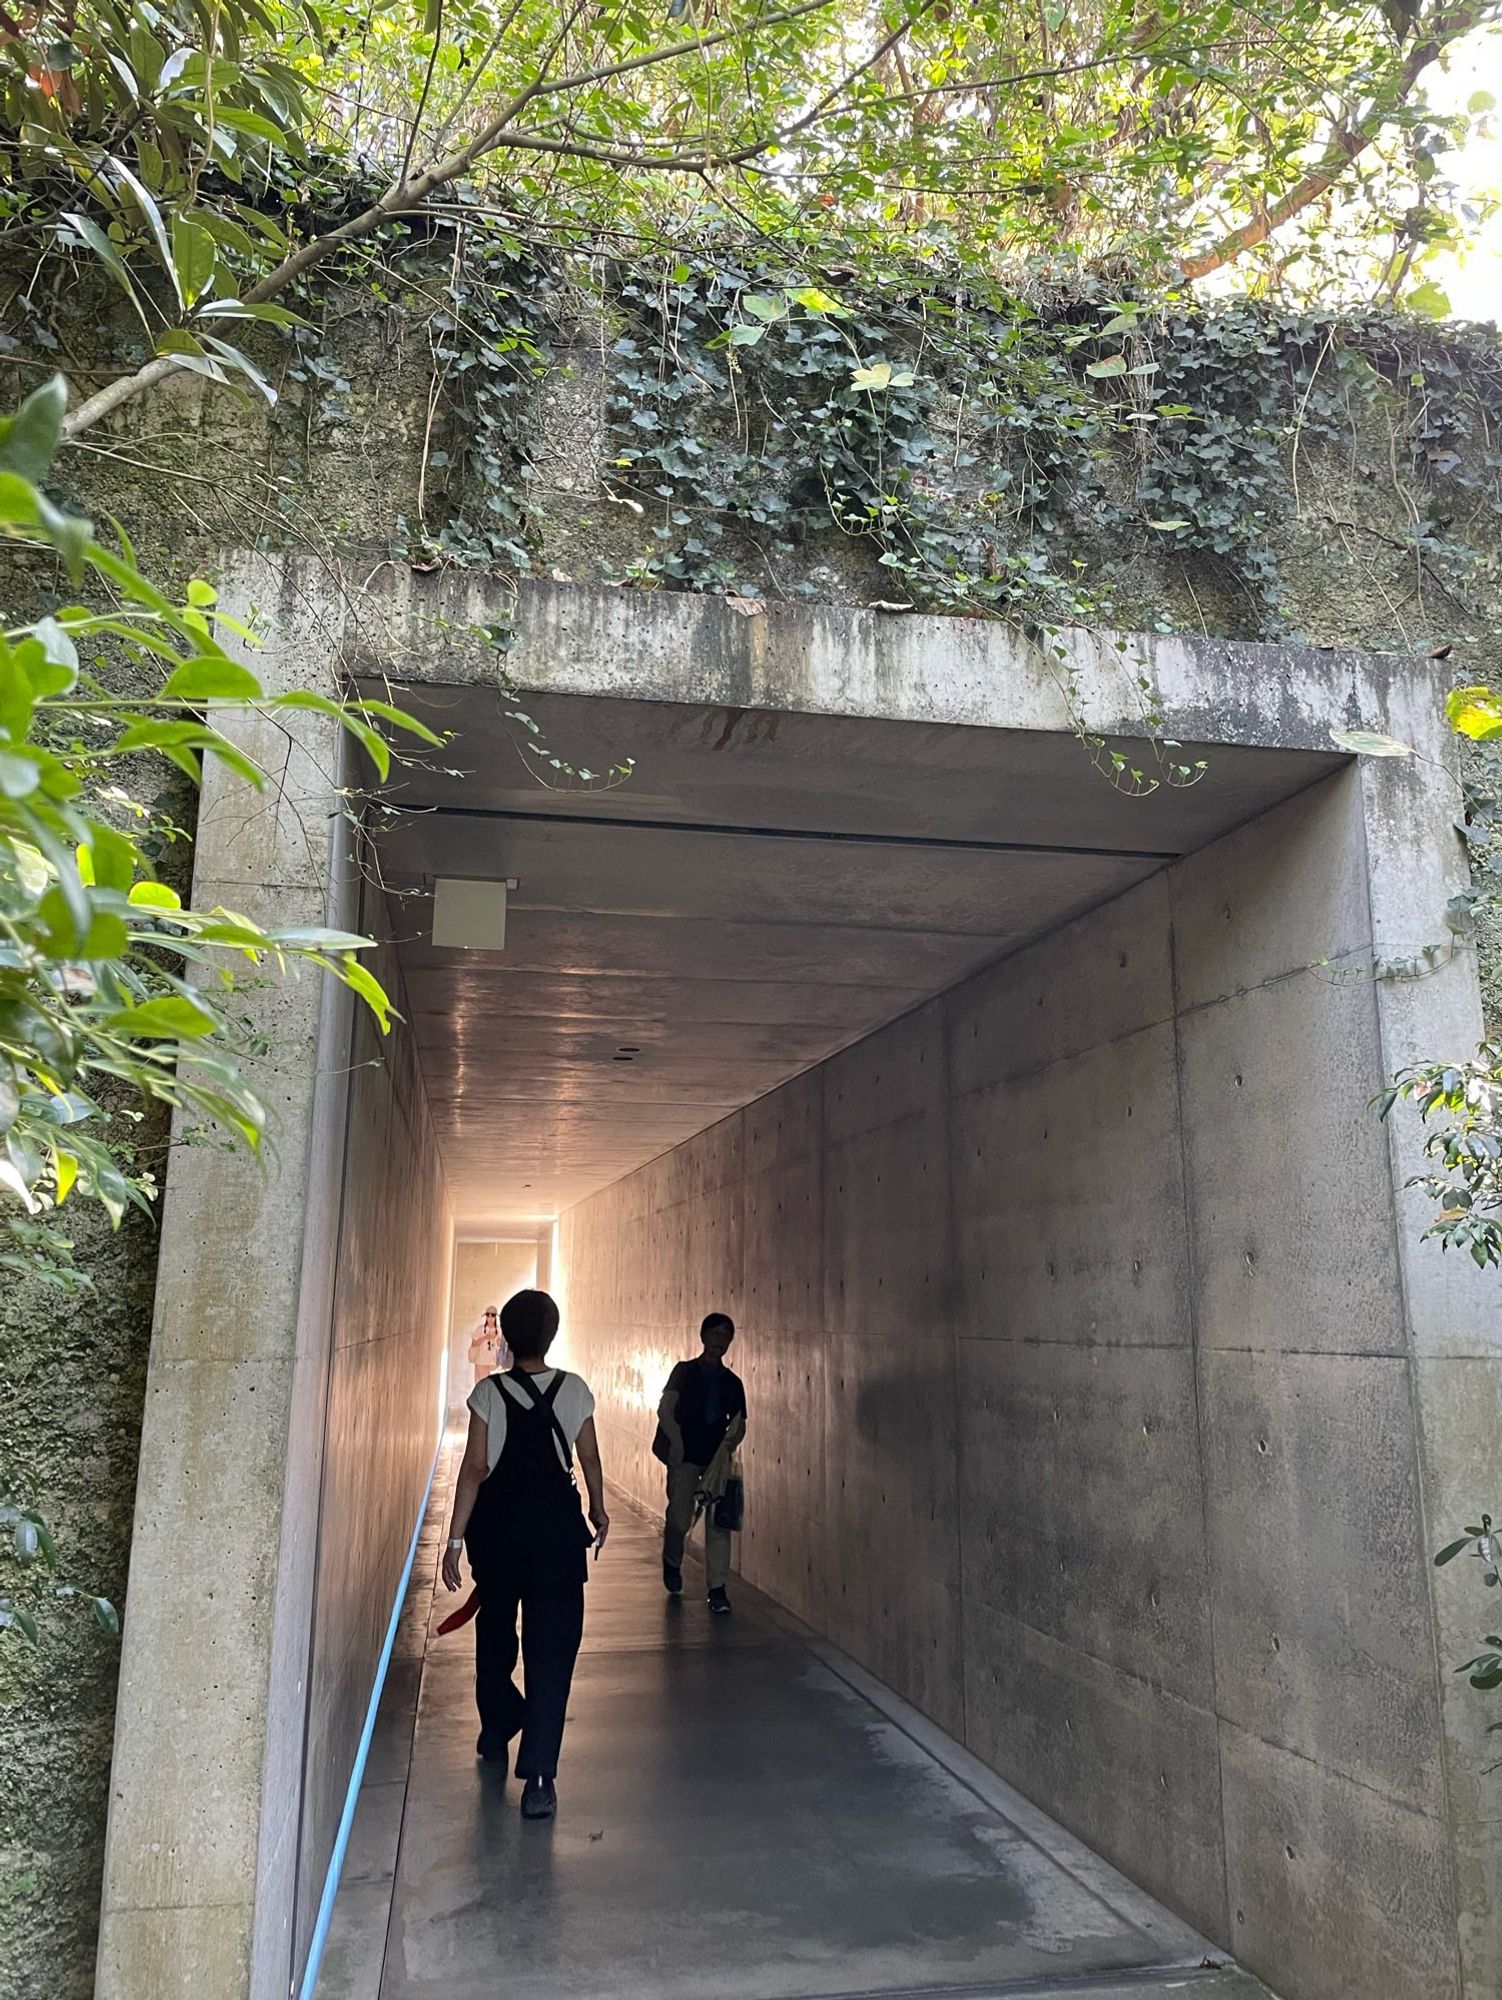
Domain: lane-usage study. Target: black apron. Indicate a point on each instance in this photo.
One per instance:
(527, 1529)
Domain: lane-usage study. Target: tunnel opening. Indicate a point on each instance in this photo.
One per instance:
(988, 1099)
(1104, 1391)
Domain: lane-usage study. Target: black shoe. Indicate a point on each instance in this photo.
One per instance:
(672, 1579)
(491, 1751)
(540, 1799)
(719, 1600)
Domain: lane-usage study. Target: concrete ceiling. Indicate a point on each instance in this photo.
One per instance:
(764, 890)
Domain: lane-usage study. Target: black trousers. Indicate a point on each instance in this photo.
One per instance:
(552, 1624)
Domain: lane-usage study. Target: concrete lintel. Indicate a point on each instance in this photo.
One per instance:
(569, 638)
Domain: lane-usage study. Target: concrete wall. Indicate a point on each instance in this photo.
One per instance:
(383, 1414)
(1083, 1407)
(278, 1355)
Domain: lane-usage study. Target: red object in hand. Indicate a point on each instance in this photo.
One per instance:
(462, 1616)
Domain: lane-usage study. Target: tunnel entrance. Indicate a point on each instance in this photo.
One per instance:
(1025, 1129)
(989, 1100)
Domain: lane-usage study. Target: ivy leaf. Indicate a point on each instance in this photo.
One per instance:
(742, 335)
(765, 306)
(877, 376)
(1114, 364)
(1369, 743)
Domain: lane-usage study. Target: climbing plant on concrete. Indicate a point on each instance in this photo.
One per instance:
(173, 145)
(115, 996)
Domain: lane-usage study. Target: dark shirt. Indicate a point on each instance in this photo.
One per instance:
(709, 1399)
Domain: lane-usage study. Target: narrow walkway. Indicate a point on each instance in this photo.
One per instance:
(743, 1815)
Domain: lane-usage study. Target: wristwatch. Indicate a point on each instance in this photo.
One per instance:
(456, 1541)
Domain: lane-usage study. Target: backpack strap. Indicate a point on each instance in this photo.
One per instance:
(544, 1399)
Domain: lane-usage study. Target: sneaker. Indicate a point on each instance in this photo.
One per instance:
(719, 1600)
(540, 1799)
(672, 1580)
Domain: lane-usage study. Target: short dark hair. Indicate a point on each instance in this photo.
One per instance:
(712, 1320)
(529, 1321)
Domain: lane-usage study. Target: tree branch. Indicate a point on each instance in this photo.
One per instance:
(408, 196)
(1348, 144)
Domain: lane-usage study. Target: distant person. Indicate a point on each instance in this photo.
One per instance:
(703, 1409)
(488, 1352)
(517, 1511)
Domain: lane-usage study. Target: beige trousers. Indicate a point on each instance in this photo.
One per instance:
(683, 1484)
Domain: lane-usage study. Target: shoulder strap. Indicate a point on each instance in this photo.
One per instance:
(544, 1399)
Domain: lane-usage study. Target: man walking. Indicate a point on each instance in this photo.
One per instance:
(703, 1407)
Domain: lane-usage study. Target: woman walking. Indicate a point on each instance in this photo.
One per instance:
(517, 1512)
(487, 1350)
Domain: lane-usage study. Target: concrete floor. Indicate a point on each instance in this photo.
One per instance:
(743, 1814)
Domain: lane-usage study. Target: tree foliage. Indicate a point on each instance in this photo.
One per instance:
(210, 157)
(115, 996)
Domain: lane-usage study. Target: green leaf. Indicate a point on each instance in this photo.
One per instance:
(314, 937)
(255, 125)
(233, 358)
(154, 896)
(29, 439)
(1114, 364)
(109, 858)
(877, 376)
(106, 1615)
(110, 257)
(1481, 101)
(765, 306)
(819, 303)
(402, 720)
(1429, 300)
(157, 229)
(1475, 712)
(171, 1017)
(193, 254)
(364, 983)
(25, 1624)
(211, 677)
(1370, 743)
(19, 775)
(271, 315)
(1452, 1550)
(744, 335)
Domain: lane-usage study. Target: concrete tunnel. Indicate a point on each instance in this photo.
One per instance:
(1105, 1402)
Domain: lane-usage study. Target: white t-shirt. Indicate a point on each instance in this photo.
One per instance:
(573, 1407)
